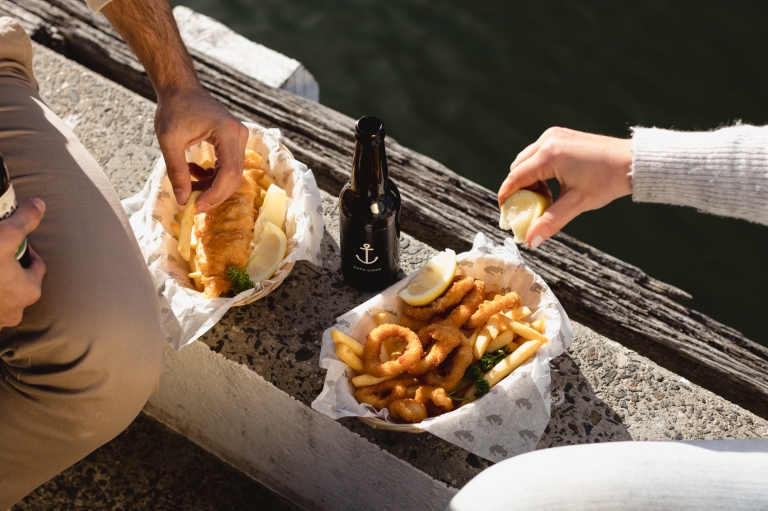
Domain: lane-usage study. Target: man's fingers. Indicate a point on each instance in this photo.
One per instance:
(229, 146)
(565, 209)
(177, 168)
(36, 270)
(24, 220)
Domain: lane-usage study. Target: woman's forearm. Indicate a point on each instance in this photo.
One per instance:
(723, 172)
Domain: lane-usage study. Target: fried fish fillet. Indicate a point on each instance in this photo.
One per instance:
(224, 235)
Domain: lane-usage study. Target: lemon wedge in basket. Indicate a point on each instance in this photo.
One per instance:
(431, 280)
(270, 252)
(520, 210)
(272, 210)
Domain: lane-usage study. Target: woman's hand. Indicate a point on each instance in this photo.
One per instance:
(19, 287)
(593, 170)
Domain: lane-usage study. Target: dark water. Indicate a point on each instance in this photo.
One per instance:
(472, 83)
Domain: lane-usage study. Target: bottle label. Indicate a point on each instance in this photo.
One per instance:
(7, 207)
(370, 259)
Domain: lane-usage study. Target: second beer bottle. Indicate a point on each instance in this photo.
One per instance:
(369, 206)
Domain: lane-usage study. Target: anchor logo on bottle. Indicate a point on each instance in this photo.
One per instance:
(367, 249)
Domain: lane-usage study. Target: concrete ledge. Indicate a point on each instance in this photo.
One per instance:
(264, 356)
(234, 413)
(219, 42)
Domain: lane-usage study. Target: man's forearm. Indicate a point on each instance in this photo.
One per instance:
(150, 30)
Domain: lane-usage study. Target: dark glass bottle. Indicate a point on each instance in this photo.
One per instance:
(8, 206)
(369, 206)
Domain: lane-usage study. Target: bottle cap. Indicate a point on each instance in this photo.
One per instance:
(369, 129)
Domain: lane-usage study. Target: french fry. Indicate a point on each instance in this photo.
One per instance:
(348, 356)
(412, 324)
(366, 380)
(187, 221)
(522, 329)
(519, 313)
(502, 326)
(493, 326)
(195, 276)
(340, 337)
(176, 228)
(500, 341)
(511, 362)
(539, 325)
(482, 341)
(265, 181)
(384, 317)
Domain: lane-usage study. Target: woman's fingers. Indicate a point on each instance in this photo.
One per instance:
(567, 207)
(525, 175)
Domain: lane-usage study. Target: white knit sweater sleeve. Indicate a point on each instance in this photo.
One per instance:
(97, 5)
(723, 172)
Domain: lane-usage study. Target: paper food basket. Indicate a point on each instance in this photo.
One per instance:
(511, 418)
(186, 313)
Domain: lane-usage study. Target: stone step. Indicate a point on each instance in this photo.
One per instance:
(243, 390)
(152, 468)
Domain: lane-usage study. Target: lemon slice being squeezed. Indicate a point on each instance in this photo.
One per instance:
(270, 252)
(520, 210)
(431, 280)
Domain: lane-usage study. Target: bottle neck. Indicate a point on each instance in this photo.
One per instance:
(369, 168)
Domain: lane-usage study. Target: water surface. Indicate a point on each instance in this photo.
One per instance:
(470, 84)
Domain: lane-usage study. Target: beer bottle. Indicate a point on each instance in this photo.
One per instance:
(369, 206)
(7, 207)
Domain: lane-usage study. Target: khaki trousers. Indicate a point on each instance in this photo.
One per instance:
(86, 357)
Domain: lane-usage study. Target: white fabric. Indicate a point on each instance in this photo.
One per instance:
(727, 475)
(723, 172)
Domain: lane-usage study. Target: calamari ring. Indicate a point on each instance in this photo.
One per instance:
(408, 410)
(455, 369)
(382, 394)
(460, 287)
(372, 350)
(437, 396)
(489, 308)
(468, 305)
(446, 337)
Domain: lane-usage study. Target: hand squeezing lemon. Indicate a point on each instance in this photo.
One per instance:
(431, 280)
(520, 210)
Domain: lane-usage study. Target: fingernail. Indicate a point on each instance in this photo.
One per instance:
(181, 197)
(39, 204)
(536, 241)
(203, 206)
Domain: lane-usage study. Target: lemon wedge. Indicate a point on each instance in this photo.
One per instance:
(272, 210)
(270, 252)
(431, 280)
(520, 210)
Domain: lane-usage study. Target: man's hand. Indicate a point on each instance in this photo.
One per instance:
(186, 113)
(19, 287)
(184, 119)
(593, 170)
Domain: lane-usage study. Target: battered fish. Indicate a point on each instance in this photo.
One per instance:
(224, 235)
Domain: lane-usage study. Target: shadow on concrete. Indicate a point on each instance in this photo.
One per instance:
(578, 415)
